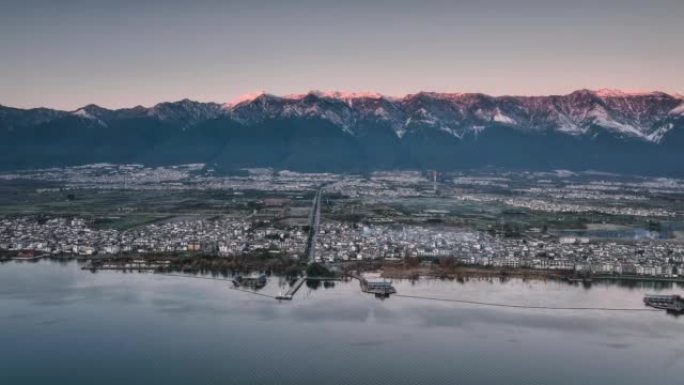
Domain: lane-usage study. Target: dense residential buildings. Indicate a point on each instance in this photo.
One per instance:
(343, 242)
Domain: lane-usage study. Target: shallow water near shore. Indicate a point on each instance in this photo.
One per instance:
(60, 324)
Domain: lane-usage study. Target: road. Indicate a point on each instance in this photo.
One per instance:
(314, 224)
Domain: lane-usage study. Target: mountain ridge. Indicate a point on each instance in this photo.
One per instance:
(607, 130)
(629, 113)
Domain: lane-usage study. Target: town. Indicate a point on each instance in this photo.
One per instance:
(582, 224)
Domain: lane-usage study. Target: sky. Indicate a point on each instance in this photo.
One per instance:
(69, 53)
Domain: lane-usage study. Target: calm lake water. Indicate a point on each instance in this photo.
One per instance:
(62, 325)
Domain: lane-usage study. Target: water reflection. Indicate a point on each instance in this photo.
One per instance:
(63, 325)
(642, 284)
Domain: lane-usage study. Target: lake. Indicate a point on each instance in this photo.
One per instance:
(62, 325)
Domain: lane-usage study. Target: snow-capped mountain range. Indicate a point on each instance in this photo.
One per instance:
(426, 129)
(644, 115)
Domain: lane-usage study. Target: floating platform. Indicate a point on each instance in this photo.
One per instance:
(379, 288)
(670, 303)
(254, 281)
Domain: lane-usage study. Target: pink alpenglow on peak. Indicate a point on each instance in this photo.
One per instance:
(348, 95)
(245, 98)
(340, 95)
(616, 93)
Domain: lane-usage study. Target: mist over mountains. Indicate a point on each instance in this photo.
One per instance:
(606, 130)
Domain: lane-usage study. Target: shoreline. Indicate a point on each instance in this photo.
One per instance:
(287, 267)
(459, 272)
(463, 272)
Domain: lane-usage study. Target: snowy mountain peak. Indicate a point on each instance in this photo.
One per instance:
(83, 113)
(91, 111)
(612, 93)
(344, 95)
(186, 112)
(616, 93)
(94, 113)
(679, 110)
(246, 98)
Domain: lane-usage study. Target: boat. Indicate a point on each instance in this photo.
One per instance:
(670, 303)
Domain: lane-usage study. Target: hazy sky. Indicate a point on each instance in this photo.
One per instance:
(69, 53)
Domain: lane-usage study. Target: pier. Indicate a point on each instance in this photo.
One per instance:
(292, 291)
(310, 251)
